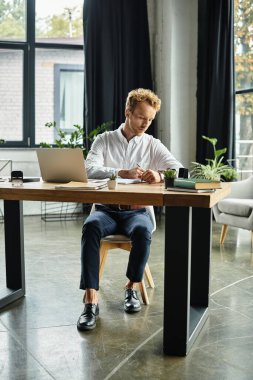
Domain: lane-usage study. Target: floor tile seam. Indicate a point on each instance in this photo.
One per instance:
(236, 312)
(124, 361)
(140, 317)
(222, 340)
(18, 341)
(44, 327)
(143, 318)
(230, 285)
(245, 293)
(238, 368)
(221, 307)
(223, 360)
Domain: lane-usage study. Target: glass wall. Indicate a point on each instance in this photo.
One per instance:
(59, 87)
(12, 20)
(41, 69)
(243, 30)
(60, 20)
(11, 94)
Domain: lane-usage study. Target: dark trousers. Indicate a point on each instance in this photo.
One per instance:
(135, 224)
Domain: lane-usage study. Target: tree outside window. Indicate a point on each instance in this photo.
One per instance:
(243, 39)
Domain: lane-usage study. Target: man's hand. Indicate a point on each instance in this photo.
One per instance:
(150, 176)
(134, 173)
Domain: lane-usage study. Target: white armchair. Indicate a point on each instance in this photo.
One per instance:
(237, 209)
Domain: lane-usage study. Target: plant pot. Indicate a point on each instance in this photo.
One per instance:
(169, 182)
(112, 184)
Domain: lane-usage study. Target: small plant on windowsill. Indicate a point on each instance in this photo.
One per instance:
(169, 177)
(2, 141)
(112, 182)
(76, 138)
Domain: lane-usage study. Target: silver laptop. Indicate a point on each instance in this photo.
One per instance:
(62, 164)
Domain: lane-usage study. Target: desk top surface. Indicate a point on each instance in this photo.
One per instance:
(142, 193)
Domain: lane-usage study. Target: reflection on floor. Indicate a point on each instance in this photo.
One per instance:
(38, 335)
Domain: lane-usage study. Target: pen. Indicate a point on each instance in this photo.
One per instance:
(139, 166)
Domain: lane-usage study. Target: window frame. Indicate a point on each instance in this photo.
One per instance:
(29, 47)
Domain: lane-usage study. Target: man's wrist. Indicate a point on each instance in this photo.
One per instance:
(161, 175)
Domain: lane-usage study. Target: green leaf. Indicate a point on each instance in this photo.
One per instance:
(45, 145)
(212, 140)
(219, 152)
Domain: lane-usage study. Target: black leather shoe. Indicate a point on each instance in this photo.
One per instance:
(132, 303)
(87, 320)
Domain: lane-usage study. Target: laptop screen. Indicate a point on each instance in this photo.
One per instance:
(62, 164)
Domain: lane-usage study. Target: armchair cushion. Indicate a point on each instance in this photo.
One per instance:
(237, 209)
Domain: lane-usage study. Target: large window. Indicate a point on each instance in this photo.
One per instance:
(69, 81)
(243, 29)
(41, 69)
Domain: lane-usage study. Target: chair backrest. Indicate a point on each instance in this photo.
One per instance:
(150, 210)
(242, 189)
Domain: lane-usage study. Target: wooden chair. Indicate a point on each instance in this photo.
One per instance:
(121, 241)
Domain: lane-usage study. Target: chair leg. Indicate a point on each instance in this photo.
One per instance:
(149, 277)
(143, 291)
(252, 240)
(224, 229)
(105, 247)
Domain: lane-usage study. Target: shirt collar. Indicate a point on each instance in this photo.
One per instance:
(136, 139)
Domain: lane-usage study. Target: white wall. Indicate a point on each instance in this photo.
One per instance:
(173, 35)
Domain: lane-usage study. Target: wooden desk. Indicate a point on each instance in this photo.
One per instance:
(187, 248)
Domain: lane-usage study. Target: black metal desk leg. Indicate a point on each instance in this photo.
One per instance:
(200, 261)
(187, 265)
(14, 253)
(177, 280)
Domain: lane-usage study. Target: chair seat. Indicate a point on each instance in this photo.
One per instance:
(236, 207)
(116, 238)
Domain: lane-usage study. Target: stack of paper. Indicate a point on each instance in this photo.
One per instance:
(82, 185)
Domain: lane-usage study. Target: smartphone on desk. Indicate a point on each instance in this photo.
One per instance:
(17, 178)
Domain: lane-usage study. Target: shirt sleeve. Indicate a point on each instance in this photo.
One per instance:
(163, 158)
(95, 160)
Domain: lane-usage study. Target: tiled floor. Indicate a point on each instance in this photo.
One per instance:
(38, 335)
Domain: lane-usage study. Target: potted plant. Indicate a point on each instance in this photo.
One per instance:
(112, 182)
(169, 177)
(76, 138)
(215, 169)
(230, 175)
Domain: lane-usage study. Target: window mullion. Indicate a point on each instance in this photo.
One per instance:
(29, 77)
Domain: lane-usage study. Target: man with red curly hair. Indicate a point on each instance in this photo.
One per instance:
(124, 152)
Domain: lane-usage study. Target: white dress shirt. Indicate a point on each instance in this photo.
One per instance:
(111, 152)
